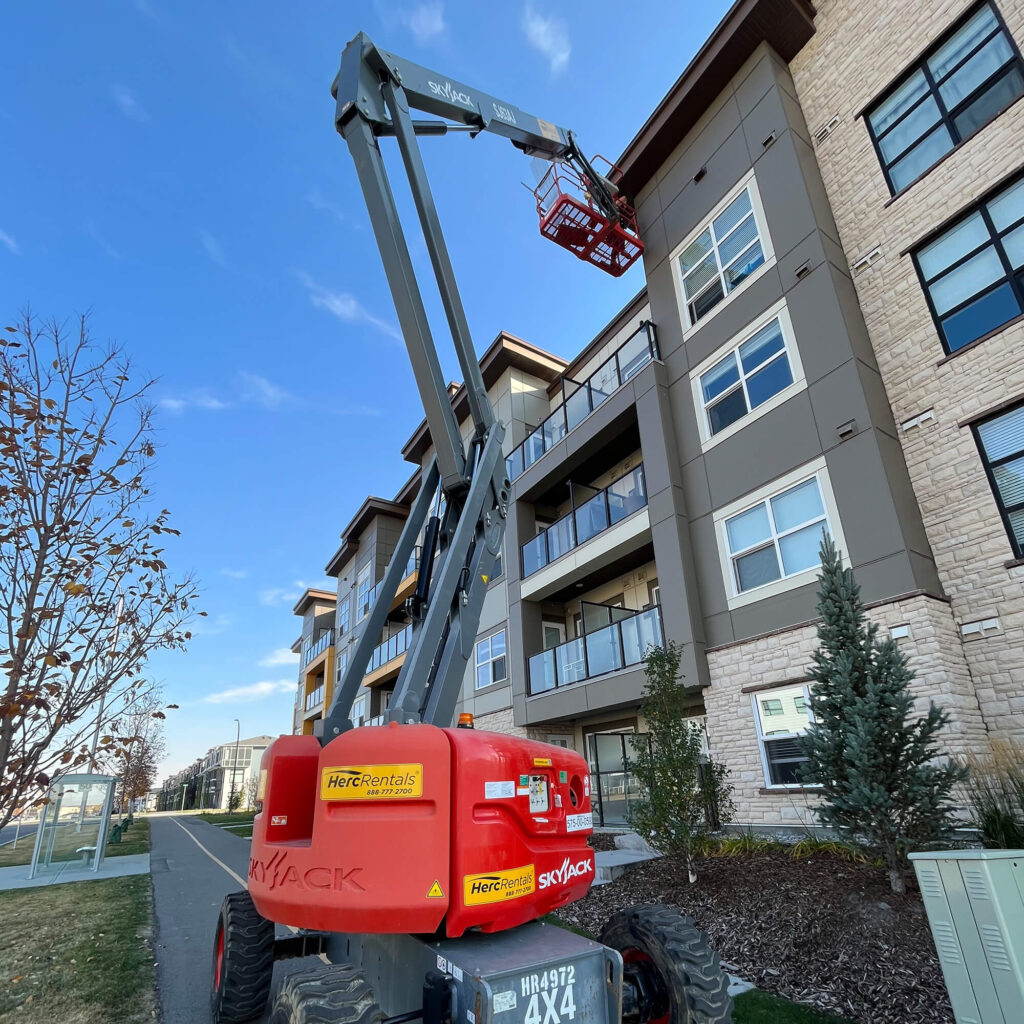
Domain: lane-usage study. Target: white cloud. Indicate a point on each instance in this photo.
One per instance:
(233, 574)
(198, 399)
(254, 691)
(213, 249)
(291, 594)
(280, 656)
(346, 307)
(425, 20)
(318, 201)
(259, 390)
(9, 242)
(128, 103)
(102, 242)
(549, 36)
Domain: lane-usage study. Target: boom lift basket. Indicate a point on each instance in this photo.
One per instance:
(570, 218)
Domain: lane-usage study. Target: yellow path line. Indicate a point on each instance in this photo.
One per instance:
(238, 878)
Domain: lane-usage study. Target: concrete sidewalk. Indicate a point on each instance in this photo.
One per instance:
(16, 877)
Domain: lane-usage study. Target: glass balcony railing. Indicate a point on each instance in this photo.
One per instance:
(410, 568)
(615, 646)
(315, 697)
(630, 357)
(599, 513)
(322, 643)
(389, 650)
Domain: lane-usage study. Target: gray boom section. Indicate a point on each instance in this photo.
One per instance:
(336, 718)
(440, 95)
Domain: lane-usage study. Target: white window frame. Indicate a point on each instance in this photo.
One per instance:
(762, 739)
(747, 181)
(736, 598)
(344, 620)
(489, 660)
(342, 664)
(780, 312)
(361, 578)
(359, 702)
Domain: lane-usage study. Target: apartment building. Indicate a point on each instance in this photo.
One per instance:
(209, 781)
(789, 368)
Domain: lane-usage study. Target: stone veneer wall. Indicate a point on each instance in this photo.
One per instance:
(780, 659)
(857, 50)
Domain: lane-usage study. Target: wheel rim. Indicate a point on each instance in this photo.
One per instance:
(218, 957)
(633, 955)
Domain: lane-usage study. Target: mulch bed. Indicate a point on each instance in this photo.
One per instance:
(604, 840)
(821, 931)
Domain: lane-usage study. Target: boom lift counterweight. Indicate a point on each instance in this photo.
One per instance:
(416, 858)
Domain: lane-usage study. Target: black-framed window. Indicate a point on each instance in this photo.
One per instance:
(1001, 441)
(973, 273)
(972, 74)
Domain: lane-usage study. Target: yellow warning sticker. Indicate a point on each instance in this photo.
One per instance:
(542, 762)
(372, 782)
(498, 886)
(435, 892)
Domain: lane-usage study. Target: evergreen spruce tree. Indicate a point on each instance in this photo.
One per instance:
(681, 795)
(877, 764)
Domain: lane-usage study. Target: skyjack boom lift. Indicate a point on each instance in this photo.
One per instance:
(414, 858)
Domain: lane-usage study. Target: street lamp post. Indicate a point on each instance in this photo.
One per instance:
(234, 763)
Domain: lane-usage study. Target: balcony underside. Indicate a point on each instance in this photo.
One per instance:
(603, 552)
(405, 589)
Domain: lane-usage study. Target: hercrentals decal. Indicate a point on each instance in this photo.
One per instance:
(566, 873)
(498, 886)
(371, 782)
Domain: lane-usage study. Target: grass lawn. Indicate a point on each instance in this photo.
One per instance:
(763, 1008)
(78, 953)
(241, 821)
(135, 840)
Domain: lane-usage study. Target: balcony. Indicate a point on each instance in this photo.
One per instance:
(384, 661)
(604, 510)
(405, 588)
(314, 697)
(618, 645)
(315, 649)
(626, 361)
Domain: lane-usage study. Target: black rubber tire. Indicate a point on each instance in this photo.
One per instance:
(326, 995)
(244, 944)
(687, 967)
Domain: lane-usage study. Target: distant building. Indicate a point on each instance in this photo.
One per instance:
(210, 780)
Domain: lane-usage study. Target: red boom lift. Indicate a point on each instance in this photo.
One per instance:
(414, 859)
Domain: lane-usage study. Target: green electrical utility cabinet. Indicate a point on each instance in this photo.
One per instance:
(975, 905)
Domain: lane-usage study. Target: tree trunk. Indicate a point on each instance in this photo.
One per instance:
(897, 880)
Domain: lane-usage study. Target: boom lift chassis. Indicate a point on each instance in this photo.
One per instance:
(651, 965)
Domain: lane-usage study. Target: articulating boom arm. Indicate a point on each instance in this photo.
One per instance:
(374, 91)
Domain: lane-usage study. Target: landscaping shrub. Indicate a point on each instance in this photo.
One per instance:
(994, 790)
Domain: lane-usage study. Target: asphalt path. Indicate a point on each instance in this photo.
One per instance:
(194, 866)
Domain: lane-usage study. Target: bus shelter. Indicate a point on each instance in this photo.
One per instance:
(74, 824)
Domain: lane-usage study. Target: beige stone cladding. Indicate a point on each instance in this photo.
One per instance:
(499, 721)
(855, 54)
(754, 666)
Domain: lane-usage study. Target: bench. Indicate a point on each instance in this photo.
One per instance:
(85, 851)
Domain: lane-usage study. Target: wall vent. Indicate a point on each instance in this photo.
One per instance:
(980, 628)
(827, 129)
(928, 416)
(868, 260)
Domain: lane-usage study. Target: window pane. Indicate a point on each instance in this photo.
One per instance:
(732, 215)
(720, 377)
(769, 380)
(767, 341)
(784, 760)
(738, 241)
(609, 752)
(498, 669)
(1017, 525)
(980, 317)
(800, 549)
(984, 64)
(927, 152)
(1004, 435)
(748, 528)
(910, 129)
(1008, 207)
(483, 676)
(498, 644)
(968, 279)
(727, 410)
(695, 252)
(953, 245)
(707, 301)
(701, 276)
(899, 102)
(995, 98)
(1010, 481)
(1013, 243)
(757, 568)
(744, 266)
(797, 505)
(962, 42)
(771, 706)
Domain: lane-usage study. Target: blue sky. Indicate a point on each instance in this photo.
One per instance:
(173, 167)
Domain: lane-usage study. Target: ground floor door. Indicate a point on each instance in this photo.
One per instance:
(612, 787)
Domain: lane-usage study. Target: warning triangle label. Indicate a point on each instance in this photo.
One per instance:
(435, 892)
